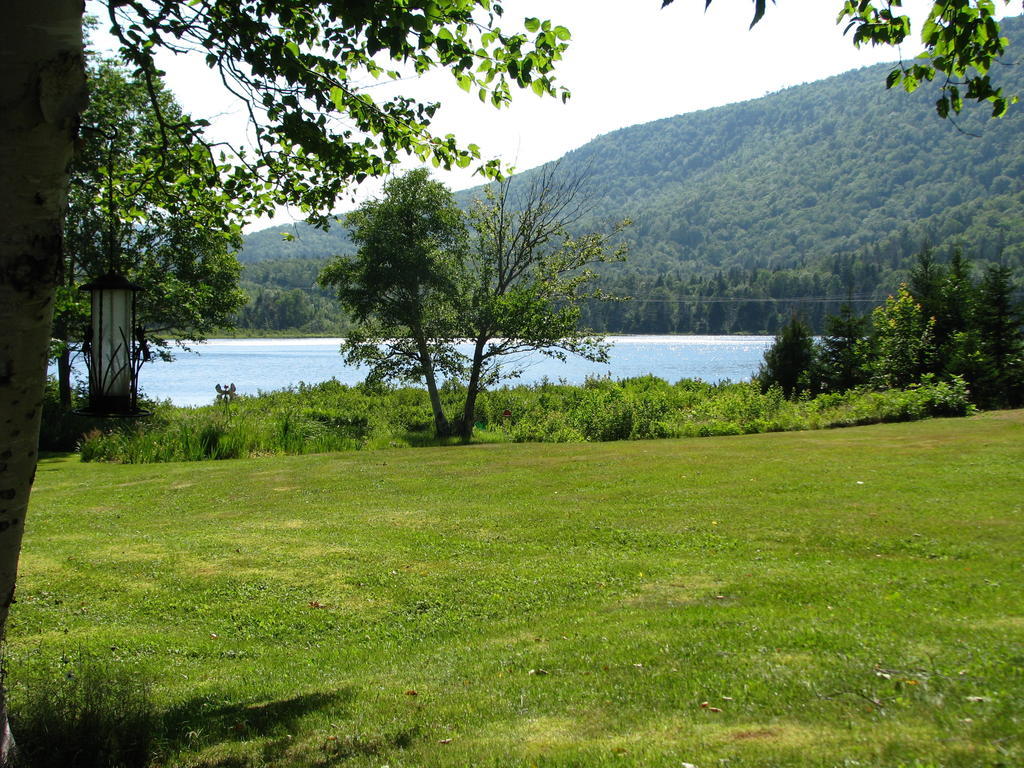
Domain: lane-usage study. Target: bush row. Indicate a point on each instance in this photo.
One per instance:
(335, 417)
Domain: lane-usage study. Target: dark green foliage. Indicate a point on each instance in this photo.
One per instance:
(790, 362)
(409, 242)
(283, 295)
(926, 283)
(999, 320)
(173, 240)
(83, 712)
(843, 351)
(940, 324)
(975, 329)
(958, 295)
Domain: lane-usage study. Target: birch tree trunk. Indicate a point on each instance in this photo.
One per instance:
(42, 93)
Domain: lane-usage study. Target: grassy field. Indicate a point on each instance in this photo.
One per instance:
(837, 598)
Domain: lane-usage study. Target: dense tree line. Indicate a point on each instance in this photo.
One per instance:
(945, 322)
(754, 300)
(283, 295)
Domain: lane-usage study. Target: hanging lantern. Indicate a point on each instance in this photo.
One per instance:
(113, 353)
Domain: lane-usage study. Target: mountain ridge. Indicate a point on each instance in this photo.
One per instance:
(820, 189)
(773, 153)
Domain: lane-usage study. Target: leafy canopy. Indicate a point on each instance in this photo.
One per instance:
(303, 68)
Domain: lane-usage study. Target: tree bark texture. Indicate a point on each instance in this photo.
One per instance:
(472, 389)
(42, 93)
(441, 426)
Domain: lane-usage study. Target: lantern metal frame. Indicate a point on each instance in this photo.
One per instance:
(114, 348)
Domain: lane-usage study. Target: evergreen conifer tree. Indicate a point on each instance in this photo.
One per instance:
(999, 319)
(843, 351)
(790, 362)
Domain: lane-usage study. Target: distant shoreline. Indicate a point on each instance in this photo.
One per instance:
(285, 335)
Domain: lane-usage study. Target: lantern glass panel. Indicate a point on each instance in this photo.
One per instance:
(112, 333)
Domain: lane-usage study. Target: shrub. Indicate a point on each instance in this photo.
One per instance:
(950, 397)
(83, 713)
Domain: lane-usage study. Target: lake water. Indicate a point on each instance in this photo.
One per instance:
(266, 364)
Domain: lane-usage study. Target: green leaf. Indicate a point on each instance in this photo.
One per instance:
(954, 99)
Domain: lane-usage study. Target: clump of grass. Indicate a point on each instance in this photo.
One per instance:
(82, 713)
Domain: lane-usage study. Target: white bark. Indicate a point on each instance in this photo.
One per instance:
(42, 93)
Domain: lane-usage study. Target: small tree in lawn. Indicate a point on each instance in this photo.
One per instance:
(526, 274)
(790, 361)
(403, 284)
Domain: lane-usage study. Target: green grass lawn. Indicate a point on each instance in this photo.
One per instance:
(839, 598)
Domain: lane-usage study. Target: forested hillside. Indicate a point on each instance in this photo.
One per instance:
(800, 199)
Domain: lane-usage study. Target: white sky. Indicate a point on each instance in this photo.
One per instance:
(629, 62)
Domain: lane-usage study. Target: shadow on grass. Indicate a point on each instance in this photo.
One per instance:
(201, 724)
(84, 713)
(203, 720)
(53, 455)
